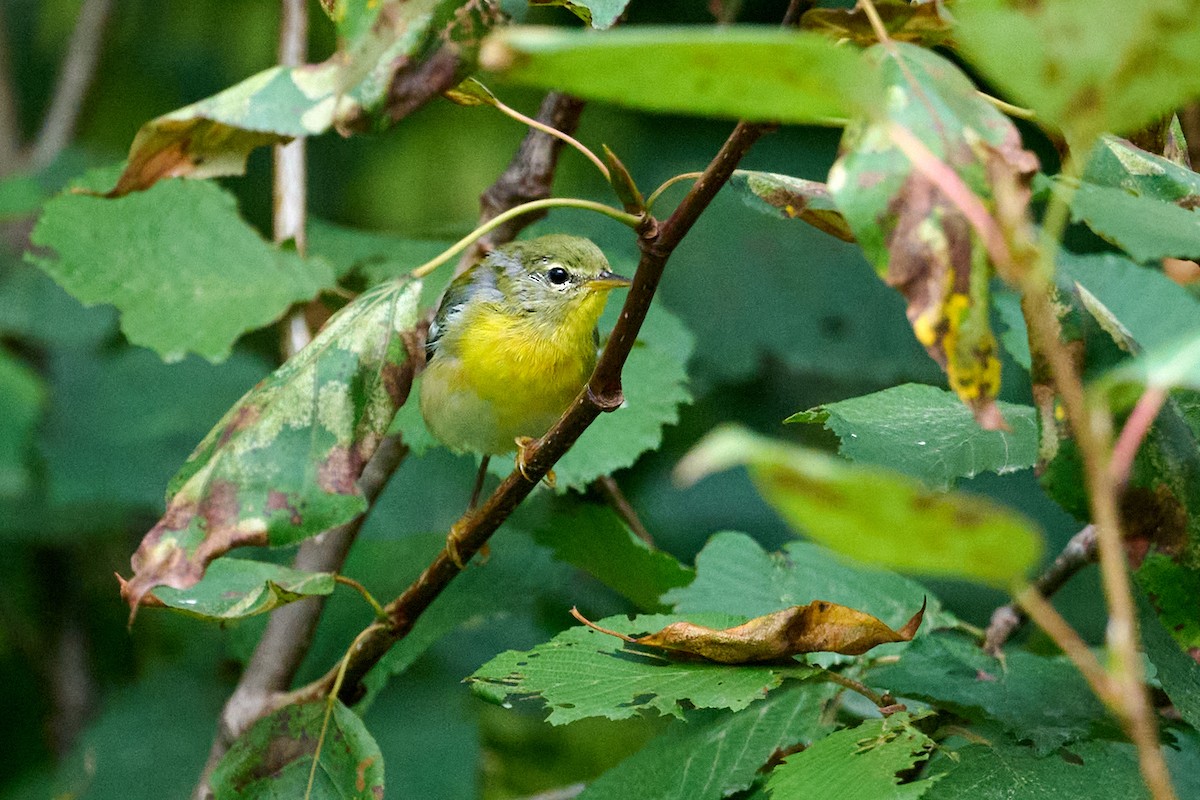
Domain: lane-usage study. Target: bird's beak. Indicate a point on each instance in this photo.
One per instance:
(608, 280)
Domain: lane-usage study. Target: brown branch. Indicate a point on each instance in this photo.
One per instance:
(602, 393)
(612, 494)
(290, 629)
(1006, 620)
(529, 176)
(78, 69)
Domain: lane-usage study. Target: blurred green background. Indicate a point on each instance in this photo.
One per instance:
(785, 318)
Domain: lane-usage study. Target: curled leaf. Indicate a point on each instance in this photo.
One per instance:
(284, 463)
(819, 627)
(792, 198)
(470, 93)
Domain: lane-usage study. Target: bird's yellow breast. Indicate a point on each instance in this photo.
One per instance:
(502, 375)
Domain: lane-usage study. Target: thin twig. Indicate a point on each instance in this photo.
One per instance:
(602, 393)
(1049, 620)
(667, 184)
(880, 700)
(612, 494)
(1078, 553)
(529, 175)
(10, 125)
(78, 69)
(1134, 432)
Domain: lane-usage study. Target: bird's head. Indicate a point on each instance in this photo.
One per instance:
(552, 277)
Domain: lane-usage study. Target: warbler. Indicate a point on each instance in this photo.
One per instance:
(512, 343)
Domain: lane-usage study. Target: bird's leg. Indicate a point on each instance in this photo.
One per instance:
(452, 541)
(523, 442)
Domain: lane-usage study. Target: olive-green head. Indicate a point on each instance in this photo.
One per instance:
(550, 275)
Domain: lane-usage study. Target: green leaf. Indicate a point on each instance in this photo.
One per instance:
(858, 763)
(284, 462)
(1177, 671)
(233, 588)
(915, 234)
(22, 397)
(186, 272)
(600, 14)
(393, 63)
(792, 198)
(594, 539)
(922, 23)
(1146, 228)
(583, 673)
(925, 432)
(376, 257)
(1001, 770)
(37, 308)
(717, 753)
(1087, 67)
(655, 385)
(273, 759)
(736, 72)
(1117, 163)
(734, 575)
(952, 672)
(873, 515)
(1173, 589)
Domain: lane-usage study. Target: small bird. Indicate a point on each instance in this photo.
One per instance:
(513, 342)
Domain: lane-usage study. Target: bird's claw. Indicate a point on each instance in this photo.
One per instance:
(452, 542)
(523, 443)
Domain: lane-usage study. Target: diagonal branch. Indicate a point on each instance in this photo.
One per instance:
(78, 69)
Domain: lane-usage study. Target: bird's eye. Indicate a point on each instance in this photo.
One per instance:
(557, 275)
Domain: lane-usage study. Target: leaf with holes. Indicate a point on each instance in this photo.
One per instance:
(582, 673)
(284, 463)
(919, 238)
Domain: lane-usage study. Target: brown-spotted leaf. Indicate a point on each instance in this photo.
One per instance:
(397, 56)
(819, 627)
(916, 235)
(284, 463)
(792, 198)
(926, 23)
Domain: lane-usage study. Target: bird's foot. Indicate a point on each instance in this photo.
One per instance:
(523, 443)
(452, 543)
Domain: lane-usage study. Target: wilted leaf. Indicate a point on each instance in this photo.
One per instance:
(857, 763)
(600, 14)
(873, 515)
(819, 627)
(925, 432)
(792, 198)
(581, 673)
(917, 236)
(1087, 66)
(925, 23)
(284, 463)
(233, 588)
(401, 55)
(184, 269)
(732, 747)
(732, 72)
(274, 758)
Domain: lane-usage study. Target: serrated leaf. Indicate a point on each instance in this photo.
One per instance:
(876, 516)
(273, 759)
(22, 398)
(926, 23)
(186, 272)
(819, 627)
(399, 55)
(792, 198)
(594, 539)
(233, 588)
(1087, 67)
(717, 753)
(1002, 770)
(949, 671)
(284, 462)
(915, 235)
(860, 763)
(734, 575)
(581, 673)
(655, 383)
(735, 72)
(925, 432)
(600, 14)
